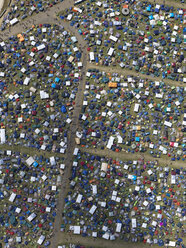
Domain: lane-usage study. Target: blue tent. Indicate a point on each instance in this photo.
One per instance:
(57, 80)
(63, 109)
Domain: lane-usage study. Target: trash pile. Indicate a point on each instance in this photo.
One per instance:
(19, 10)
(133, 200)
(39, 76)
(29, 188)
(146, 37)
(132, 114)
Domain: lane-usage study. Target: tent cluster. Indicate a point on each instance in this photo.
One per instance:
(133, 200)
(29, 188)
(19, 10)
(150, 39)
(39, 76)
(133, 114)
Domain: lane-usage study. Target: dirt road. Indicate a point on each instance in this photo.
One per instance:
(164, 161)
(174, 3)
(100, 243)
(1, 5)
(43, 17)
(50, 17)
(123, 71)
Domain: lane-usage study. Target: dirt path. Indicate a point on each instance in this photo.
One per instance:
(50, 17)
(5, 9)
(71, 140)
(176, 4)
(124, 71)
(21, 27)
(70, 3)
(43, 17)
(29, 150)
(1, 4)
(99, 242)
(128, 156)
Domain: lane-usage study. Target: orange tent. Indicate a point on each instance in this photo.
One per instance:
(112, 85)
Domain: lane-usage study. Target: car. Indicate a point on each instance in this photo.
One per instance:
(24, 16)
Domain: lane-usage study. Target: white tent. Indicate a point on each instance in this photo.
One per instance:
(104, 167)
(77, 230)
(12, 197)
(30, 161)
(118, 227)
(40, 47)
(136, 107)
(93, 209)
(110, 52)
(134, 223)
(79, 198)
(76, 150)
(52, 161)
(2, 136)
(110, 142)
(43, 94)
(26, 81)
(106, 236)
(92, 56)
(13, 21)
(31, 217)
(94, 189)
(41, 239)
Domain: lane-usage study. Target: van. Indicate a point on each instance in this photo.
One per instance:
(23, 17)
